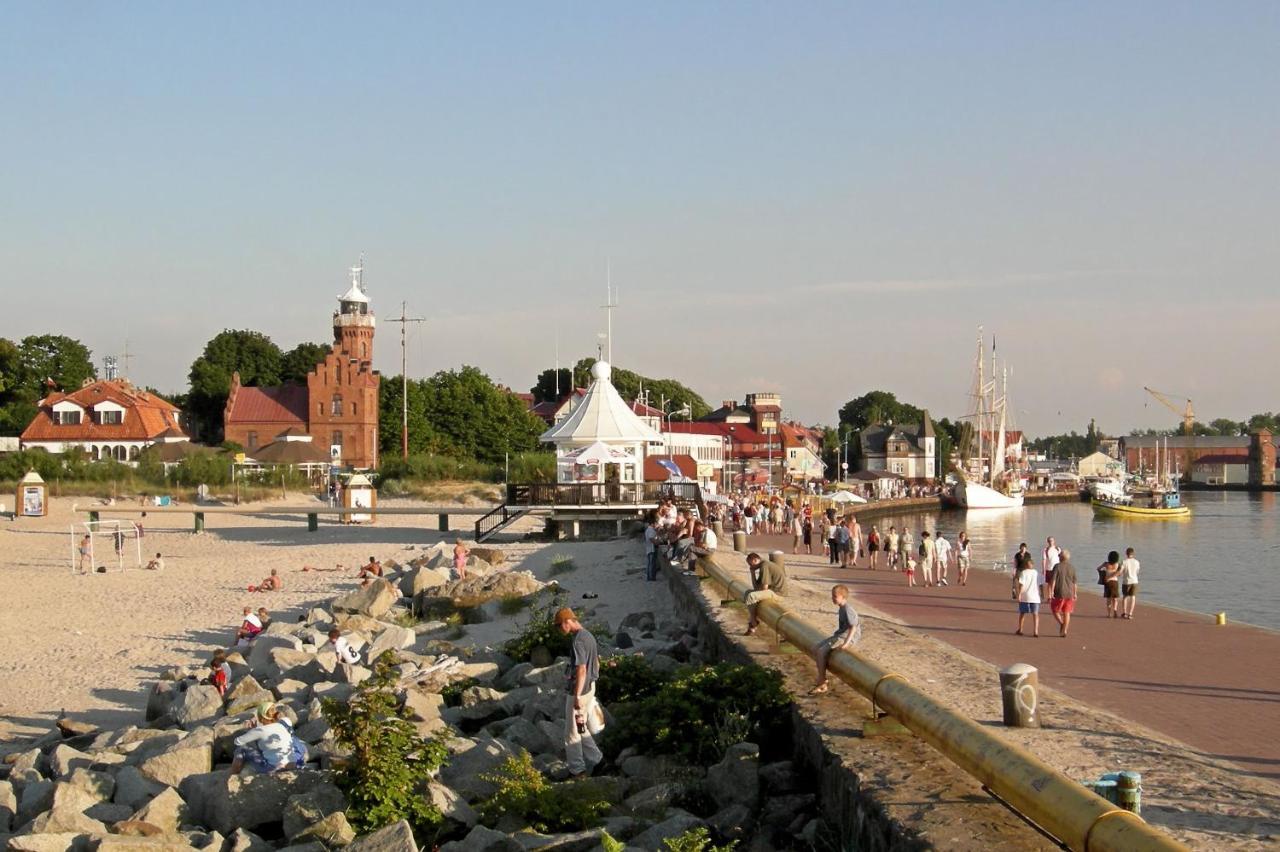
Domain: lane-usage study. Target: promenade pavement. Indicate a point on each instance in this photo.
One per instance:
(1214, 688)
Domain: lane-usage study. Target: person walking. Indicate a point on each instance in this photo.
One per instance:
(856, 542)
(1052, 553)
(1109, 579)
(1063, 602)
(942, 554)
(873, 547)
(891, 548)
(833, 542)
(86, 561)
(1129, 582)
(963, 557)
(1026, 591)
(927, 556)
(843, 541)
(580, 711)
(906, 545)
(651, 548)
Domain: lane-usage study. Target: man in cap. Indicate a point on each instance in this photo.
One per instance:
(580, 711)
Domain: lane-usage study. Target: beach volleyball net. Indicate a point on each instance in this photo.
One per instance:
(101, 546)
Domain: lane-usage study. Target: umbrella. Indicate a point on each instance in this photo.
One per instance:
(845, 497)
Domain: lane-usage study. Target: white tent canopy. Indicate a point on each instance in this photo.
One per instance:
(601, 416)
(845, 497)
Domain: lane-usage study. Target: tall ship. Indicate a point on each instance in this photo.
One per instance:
(985, 480)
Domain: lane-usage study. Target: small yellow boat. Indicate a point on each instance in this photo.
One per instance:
(1112, 509)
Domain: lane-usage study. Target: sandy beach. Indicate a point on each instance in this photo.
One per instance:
(92, 644)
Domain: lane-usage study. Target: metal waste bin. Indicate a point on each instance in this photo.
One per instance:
(740, 541)
(1018, 696)
(717, 527)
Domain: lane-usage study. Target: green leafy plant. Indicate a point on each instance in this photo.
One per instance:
(541, 629)
(696, 840)
(524, 793)
(698, 712)
(628, 678)
(513, 604)
(609, 844)
(562, 563)
(388, 761)
(452, 693)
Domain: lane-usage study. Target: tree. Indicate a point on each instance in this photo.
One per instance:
(878, 407)
(1091, 438)
(1268, 421)
(52, 356)
(669, 391)
(301, 360)
(251, 353)
(1225, 426)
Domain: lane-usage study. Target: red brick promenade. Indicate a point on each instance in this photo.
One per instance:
(1215, 688)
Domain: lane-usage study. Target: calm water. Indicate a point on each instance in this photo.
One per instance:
(1226, 558)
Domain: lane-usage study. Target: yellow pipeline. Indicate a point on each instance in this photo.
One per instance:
(1081, 819)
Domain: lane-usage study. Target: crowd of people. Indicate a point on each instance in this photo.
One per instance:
(1055, 581)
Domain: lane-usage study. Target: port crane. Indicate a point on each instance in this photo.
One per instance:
(1187, 414)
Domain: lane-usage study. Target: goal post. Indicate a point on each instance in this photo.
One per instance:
(116, 543)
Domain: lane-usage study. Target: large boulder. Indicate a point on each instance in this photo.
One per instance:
(64, 758)
(373, 600)
(133, 789)
(66, 820)
(198, 704)
(97, 786)
(481, 839)
(332, 832)
(392, 639)
(673, 826)
(480, 589)
(260, 653)
(37, 796)
(246, 841)
(131, 843)
(249, 800)
(240, 697)
(397, 837)
(304, 810)
(458, 815)
(735, 780)
(167, 812)
(67, 842)
(471, 759)
(8, 806)
(160, 699)
(420, 579)
(174, 766)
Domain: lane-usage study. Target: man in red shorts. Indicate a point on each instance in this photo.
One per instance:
(1063, 602)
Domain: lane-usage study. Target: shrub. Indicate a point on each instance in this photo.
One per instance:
(452, 694)
(389, 762)
(696, 840)
(524, 793)
(562, 563)
(628, 678)
(698, 712)
(513, 604)
(541, 629)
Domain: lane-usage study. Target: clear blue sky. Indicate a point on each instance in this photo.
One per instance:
(819, 199)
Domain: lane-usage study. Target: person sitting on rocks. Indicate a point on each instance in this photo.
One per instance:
(342, 648)
(250, 627)
(217, 677)
(372, 568)
(269, 745)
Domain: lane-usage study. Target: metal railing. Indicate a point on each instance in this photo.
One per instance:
(600, 494)
(1078, 817)
(495, 520)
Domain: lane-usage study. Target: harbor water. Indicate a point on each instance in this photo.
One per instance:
(1226, 558)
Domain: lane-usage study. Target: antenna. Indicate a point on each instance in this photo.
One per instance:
(127, 357)
(557, 361)
(404, 321)
(611, 302)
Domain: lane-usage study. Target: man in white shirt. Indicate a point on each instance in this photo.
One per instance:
(1052, 553)
(942, 556)
(1129, 582)
(706, 542)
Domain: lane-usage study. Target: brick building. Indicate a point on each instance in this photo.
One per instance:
(338, 407)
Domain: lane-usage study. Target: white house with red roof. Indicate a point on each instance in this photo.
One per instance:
(107, 418)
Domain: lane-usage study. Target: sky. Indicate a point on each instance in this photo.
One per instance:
(818, 199)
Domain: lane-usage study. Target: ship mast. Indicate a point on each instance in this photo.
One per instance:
(978, 419)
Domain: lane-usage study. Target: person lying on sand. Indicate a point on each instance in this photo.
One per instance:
(372, 568)
(306, 568)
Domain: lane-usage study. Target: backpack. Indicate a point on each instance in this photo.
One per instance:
(921, 550)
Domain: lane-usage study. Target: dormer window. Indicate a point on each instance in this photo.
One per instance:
(67, 418)
(110, 418)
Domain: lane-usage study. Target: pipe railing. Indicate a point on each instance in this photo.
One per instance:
(1081, 819)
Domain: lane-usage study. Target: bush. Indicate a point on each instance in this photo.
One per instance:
(628, 678)
(524, 793)
(452, 694)
(389, 762)
(700, 712)
(541, 629)
(513, 604)
(696, 840)
(562, 563)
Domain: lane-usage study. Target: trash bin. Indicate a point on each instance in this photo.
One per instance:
(1018, 697)
(717, 527)
(740, 541)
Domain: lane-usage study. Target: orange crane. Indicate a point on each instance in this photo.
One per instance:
(1187, 414)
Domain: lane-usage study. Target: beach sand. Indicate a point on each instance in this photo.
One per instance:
(93, 644)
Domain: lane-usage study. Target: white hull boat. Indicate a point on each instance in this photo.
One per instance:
(973, 495)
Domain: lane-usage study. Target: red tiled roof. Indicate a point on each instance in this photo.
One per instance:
(741, 433)
(284, 404)
(147, 416)
(643, 410)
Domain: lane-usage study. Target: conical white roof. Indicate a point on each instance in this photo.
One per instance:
(601, 415)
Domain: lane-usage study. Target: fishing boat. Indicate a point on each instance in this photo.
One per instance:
(993, 485)
(1163, 506)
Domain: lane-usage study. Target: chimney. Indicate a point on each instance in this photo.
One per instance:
(729, 404)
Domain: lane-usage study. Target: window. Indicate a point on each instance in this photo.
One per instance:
(67, 418)
(353, 409)
(363, 350)
(319, 409)
(253, 441)
(337, 437)
(336, 408)
(110, 418)
(337, 374)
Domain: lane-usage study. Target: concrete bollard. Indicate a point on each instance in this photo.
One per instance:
(444, 523)
(199, 522)
(1220, 619)
(1018, 696)
(313, 522)
(777, 557)
(717, 527)
(740, 541)
(1129, 791)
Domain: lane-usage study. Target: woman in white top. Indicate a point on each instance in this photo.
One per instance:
(1026, 591)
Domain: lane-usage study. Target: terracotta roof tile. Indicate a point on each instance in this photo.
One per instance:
(147, 416)
(285, 404)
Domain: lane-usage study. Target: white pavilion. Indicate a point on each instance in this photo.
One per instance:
(602, 441)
